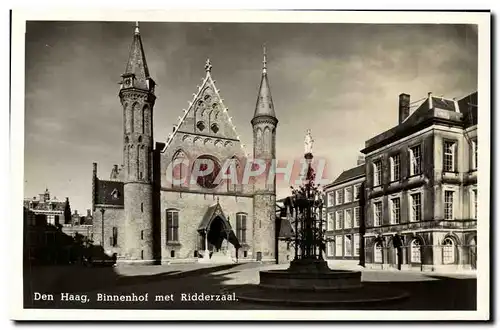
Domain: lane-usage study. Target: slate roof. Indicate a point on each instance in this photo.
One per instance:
(264, 106)
(468, 106)
(136, 63)
(350, 174)
(443, 111)
(209, 214)
(212, 212)
(37, 205)
(109, 192)
(285, 229)
(442, 103)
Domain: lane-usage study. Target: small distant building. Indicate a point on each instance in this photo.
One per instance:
(51, 210)
(79, 225)
(344, 214)
(284, 232)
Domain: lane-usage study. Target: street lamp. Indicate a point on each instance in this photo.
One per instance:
(102, 227)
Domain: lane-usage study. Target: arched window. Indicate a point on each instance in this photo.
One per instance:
(241, 227)
(448, 251)
(114, 239)
(267, 139)
(415, 256)
(132, 115)
(200, 125)
(208, 180)
(128, 159)
(232, 185)
(377, 252)
(144, 119)
(138, 162)
(172, 225)
(179, 169)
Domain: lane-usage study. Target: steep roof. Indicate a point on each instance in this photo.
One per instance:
(109, 193)
(350, 174)
(285, 229)
(264, 106)
(468, 106)
(37, 205)
(136, 63)
(208, 102)
(432, 110)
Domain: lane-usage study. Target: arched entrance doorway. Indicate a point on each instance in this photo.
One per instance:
(473, 253)
(216, 235)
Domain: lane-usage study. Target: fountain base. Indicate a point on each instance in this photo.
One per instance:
(312, 283)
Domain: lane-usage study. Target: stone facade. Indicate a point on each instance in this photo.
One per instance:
(431, 203)
(148, 216)
(192, 208)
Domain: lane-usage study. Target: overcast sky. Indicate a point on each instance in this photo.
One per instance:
(340, 80)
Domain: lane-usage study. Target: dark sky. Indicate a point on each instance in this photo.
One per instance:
(340, 80)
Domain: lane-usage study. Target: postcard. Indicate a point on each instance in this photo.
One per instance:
(223, 165)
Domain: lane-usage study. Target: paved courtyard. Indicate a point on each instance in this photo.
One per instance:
(428, 291)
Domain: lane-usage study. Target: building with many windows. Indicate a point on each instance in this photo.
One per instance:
(421, 188)
(49, 209)
(344, 214)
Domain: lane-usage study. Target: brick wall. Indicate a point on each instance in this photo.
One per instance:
(113, 217)
(264, 225)
(138, 219)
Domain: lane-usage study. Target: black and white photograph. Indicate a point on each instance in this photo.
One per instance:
(229, 165)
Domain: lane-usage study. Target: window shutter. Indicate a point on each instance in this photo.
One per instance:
(176, 226)
(443, 155)
(169, 225)
(455, 156)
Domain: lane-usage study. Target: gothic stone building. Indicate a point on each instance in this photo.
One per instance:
(421, 187)
(144, 217)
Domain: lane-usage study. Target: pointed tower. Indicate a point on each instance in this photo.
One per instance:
(264, 124)
(138, 99)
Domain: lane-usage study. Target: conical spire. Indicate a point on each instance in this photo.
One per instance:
(264, 105)
(137, 61)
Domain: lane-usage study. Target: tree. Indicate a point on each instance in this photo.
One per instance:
(67, 212)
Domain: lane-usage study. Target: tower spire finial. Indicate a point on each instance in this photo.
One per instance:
(136, 27)
(264, 61)
(208, 65)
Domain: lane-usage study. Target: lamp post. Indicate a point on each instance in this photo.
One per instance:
(102, 227)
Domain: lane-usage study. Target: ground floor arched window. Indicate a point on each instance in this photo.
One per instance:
(377, 252)
(415, 256)
(448, 251)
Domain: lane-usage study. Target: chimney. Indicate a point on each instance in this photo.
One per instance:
(361, 160)
(88, 212)
(94, 169)
(455, 103)
(429, 95)
(404, 107)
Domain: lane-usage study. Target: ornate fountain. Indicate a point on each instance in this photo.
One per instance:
(308, 280)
